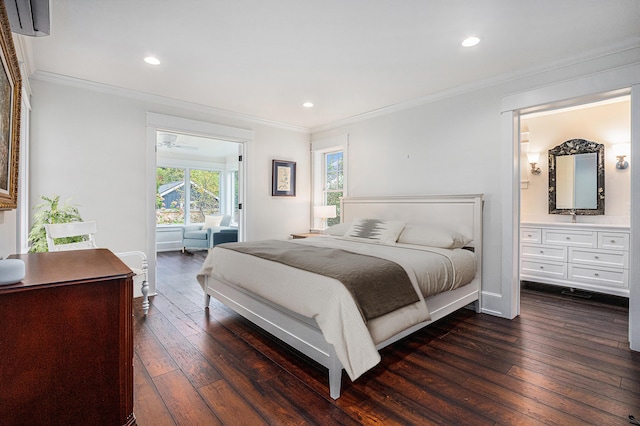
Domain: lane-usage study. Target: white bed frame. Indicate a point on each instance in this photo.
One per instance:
(462, 213)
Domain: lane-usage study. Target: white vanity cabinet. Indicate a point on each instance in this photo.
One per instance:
(588, 257)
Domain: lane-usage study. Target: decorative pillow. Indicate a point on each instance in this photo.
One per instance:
(212, 221)
(425, 235)
(338, 230)
(374, 231)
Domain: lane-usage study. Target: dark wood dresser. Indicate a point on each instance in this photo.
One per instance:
(66, 341)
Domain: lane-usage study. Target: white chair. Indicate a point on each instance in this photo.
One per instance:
(135, 260)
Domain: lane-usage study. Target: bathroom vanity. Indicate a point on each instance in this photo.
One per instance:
(583, 256)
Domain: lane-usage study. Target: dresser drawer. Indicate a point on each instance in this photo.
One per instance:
(605, 277)
(587, 239)
(543, 269)
(531, 235)
(613, 240)
(597, 258)
(538, 252)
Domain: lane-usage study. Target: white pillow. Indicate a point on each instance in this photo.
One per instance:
(374, 231)
(338, 230)
(425, 235)
(212, 221)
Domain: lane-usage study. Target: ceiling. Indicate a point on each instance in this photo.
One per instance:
(348, 57)
(190, 147)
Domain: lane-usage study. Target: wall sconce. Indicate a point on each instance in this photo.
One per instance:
(533, 160)
(323, 213)
(621, 150)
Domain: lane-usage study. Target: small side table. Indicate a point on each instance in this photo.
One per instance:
(305, 235)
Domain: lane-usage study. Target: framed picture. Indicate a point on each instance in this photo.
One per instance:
(283, 178)
(10, 92)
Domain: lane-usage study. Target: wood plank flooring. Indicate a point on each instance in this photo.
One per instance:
(564, 361)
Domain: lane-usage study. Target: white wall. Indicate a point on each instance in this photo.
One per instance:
(448, 146)
(90, 146)
(452, 144)
(607, 124)
(277, 217)
(7, 233)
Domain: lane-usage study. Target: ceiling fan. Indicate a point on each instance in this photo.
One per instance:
(168, 140)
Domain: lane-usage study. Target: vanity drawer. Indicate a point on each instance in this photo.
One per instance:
(613, 259)
(543, 269)
(605, 277)
(531, 235)
(613, 240)
(587, 239)
(537, 252)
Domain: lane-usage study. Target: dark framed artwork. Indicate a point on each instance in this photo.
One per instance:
(283, 178)
(10, 92)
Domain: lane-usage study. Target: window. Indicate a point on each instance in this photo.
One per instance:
(204, 194)
(333, 182)
(235, 190)
(186, 195)
(329, 158)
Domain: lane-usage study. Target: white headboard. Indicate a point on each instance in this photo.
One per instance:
(461, 213)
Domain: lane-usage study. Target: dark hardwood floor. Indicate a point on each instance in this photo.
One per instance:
(564, 361)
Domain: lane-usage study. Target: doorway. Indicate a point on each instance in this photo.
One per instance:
(191, 134)
(603, 85)
(553, 201)
(197, 181)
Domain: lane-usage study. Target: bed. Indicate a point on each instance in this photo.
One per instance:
(318, 316)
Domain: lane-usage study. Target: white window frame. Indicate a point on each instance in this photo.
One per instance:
(319, 148)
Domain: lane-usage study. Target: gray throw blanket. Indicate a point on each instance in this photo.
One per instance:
(377, 285)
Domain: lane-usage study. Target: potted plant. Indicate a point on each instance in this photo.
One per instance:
(51, 211)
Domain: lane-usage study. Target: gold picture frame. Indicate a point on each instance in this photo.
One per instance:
(10, 104)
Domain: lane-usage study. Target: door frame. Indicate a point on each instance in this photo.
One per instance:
(156, 122)
(591, 88)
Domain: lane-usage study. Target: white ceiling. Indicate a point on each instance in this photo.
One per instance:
(349, 57)
(190, 147)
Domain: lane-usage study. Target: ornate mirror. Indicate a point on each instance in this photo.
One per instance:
(576, 178)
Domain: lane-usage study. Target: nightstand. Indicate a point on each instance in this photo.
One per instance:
(305, 235)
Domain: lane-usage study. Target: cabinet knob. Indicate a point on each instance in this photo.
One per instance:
(596, 274)
(596, 257)
(568, 238)
(542, 267)
(613, 241)
(541, 251)
(529, 235)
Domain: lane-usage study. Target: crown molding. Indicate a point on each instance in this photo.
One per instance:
(148, 97)
(625, 46)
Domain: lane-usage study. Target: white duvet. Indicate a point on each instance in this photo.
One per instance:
(431, 271)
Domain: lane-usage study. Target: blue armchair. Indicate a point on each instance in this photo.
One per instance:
(202, 236)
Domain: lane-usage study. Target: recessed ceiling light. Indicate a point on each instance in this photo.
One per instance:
(308, 104)
(152, 60)
(470, 41)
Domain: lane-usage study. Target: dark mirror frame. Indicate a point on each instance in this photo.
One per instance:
(573, 147)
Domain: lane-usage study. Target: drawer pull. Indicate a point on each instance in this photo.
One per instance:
(596, 257)
(613, 241)
(529, 235)
(542, 267)
(596, 274)
(568, 238)
(541, 251)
